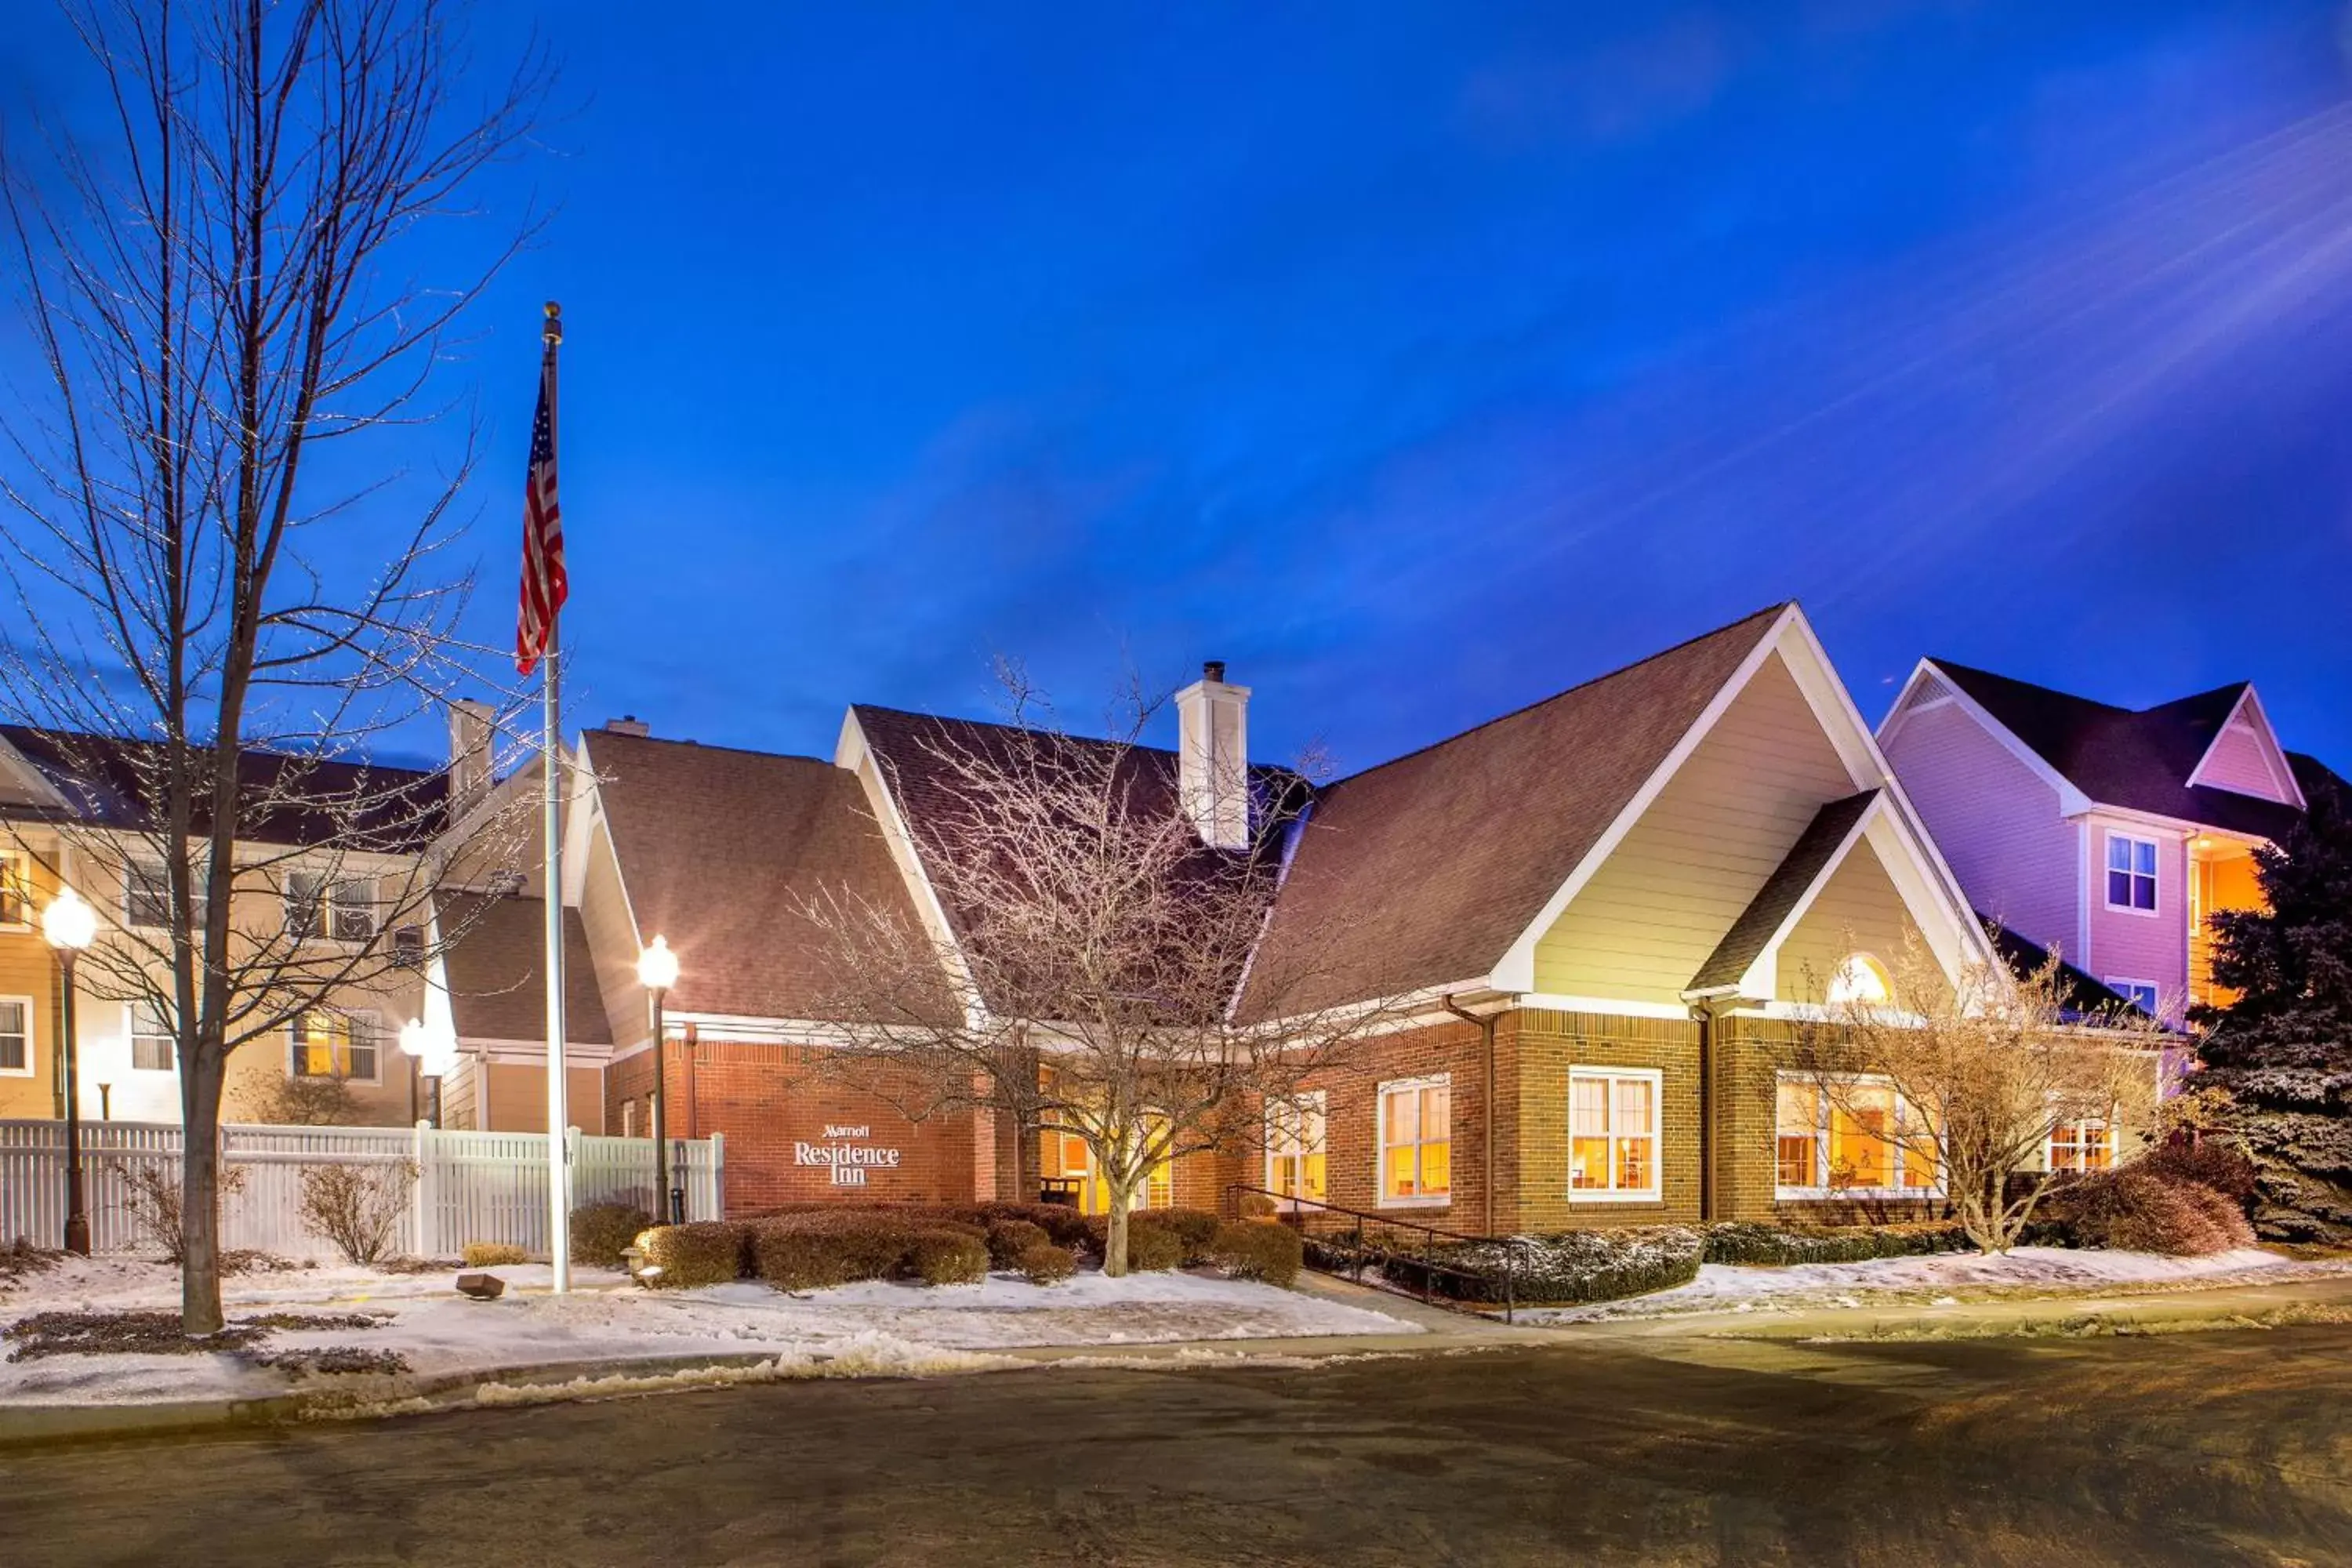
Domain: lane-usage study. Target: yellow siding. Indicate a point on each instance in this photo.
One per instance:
(27, 969)
(1641, 928)
(517, 1094)
(1858, 911)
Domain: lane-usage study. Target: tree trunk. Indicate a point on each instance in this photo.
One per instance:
(1120, 1189)
(200, 1097)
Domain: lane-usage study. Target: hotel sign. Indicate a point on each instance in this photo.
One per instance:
(847, 1152)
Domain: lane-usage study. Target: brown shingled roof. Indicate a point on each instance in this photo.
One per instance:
(496, 989)
(1428, 867)
(718, 847)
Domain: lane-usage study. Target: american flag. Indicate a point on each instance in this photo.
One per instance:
(544, 584)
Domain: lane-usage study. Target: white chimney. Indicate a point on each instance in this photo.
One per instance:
(1212, 757)
(471, 725)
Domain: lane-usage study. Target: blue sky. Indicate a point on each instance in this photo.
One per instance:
(1420, 361)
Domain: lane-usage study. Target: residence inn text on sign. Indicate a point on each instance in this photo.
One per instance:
(850, 1160)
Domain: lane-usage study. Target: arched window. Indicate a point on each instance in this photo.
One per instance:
(1860, 978)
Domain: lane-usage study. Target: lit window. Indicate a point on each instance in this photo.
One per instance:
(333, 1044)
(146, 895)
(1071, 1166)
(2131, 873)
(1860, 978)
(1856, 1136)
(343, 910)
(2086, 1145)
(1296, 1141)
(15, 902)
(1417, 1140)
(152, 1047)
(17, 1036)
(1613, 1133)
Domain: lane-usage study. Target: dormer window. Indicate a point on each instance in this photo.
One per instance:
(1860, 978)
(2131, 873)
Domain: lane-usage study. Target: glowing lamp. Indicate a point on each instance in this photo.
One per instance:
(68, 925)
(658, 966)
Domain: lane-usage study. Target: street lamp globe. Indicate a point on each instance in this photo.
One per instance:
(414, 1038)
(68, 925)
(658, 966)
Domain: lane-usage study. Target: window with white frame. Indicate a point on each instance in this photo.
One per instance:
(2084, 1144)
(1859, 979)
(16, 890)
(2131, 873)
(17, 1036)
(1613, 1133)
(1849, 1136)
(153, 1047)
(1416, 1131)
(2140, 993)
(146, 895)
(324, 1044)
(339, 909)
(1295, 1146)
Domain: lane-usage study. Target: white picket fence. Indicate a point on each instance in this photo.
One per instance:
(469, 1186)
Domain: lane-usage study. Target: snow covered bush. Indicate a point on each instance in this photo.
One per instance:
(1758, 1242)
(2135, 1209)
(1572, 1267)
(357, 1207)
(705, 1252)
(1046, 1264)
(602, 1232)
(1254, 1249)
(493, 1254)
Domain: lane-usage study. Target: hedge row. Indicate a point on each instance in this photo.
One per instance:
(1752, 1242)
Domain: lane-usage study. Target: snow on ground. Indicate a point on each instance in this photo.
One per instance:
(876, 1326)
(1934, 1280)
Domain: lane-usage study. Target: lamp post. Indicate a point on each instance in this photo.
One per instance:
(658, 971)
(418, 1044)
(69, 925)
(412, 1046)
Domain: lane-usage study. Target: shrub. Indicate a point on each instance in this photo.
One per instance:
(1172, 1237)
(357, 1207)
(2215, 1163)
(493, 1254)
(1009, 1239)
(942, 1256)
(814, 1249)
(705, 1252)
(1259, 1205)
(2135, 1209)
(1152, 1247)
(1046, 1264)
(1063, 1224)
(1574, 1267)
(1249, 1250)
(152, 1197)
(1755, 1242)
(1195, 1230)
(600, 1233)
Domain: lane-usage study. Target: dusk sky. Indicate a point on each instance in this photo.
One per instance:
(1421, 362)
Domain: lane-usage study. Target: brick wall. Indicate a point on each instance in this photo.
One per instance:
(1351, 1121)
(765, 1099)
(1548, 1044)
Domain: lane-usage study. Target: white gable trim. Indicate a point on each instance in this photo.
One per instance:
(1517, 970)
(1762, 976)
(2274, 763)
(853, 752)
(2071, 800)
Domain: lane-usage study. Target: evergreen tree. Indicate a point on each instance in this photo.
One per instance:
(2282, 1050)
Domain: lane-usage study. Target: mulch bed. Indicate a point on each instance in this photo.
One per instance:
(158, 1333)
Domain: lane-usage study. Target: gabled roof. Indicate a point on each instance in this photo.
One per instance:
(1431, 865)
(717, 847)
(1813, 856)
(493, 968)
(2080, 996)
(282, 797)
(2137, 760)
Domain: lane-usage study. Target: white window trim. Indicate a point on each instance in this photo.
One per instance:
(130, 1042)
(163, 876)
(27, 1070)
(2050, 1143)
(354, 1015)
(1314, 1102)
(329, 886)
(2121, 986)
(1821, 1147)
(1381, 1093)
(2156, 877)
(12, 873)
(1653, 1191)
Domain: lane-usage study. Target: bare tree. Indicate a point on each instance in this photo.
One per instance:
(1091, 978)
(229, 586)
(1958, 1087)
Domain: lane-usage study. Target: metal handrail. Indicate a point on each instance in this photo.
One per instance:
(1513, 1247)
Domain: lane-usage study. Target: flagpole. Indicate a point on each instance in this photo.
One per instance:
(559, 1120)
